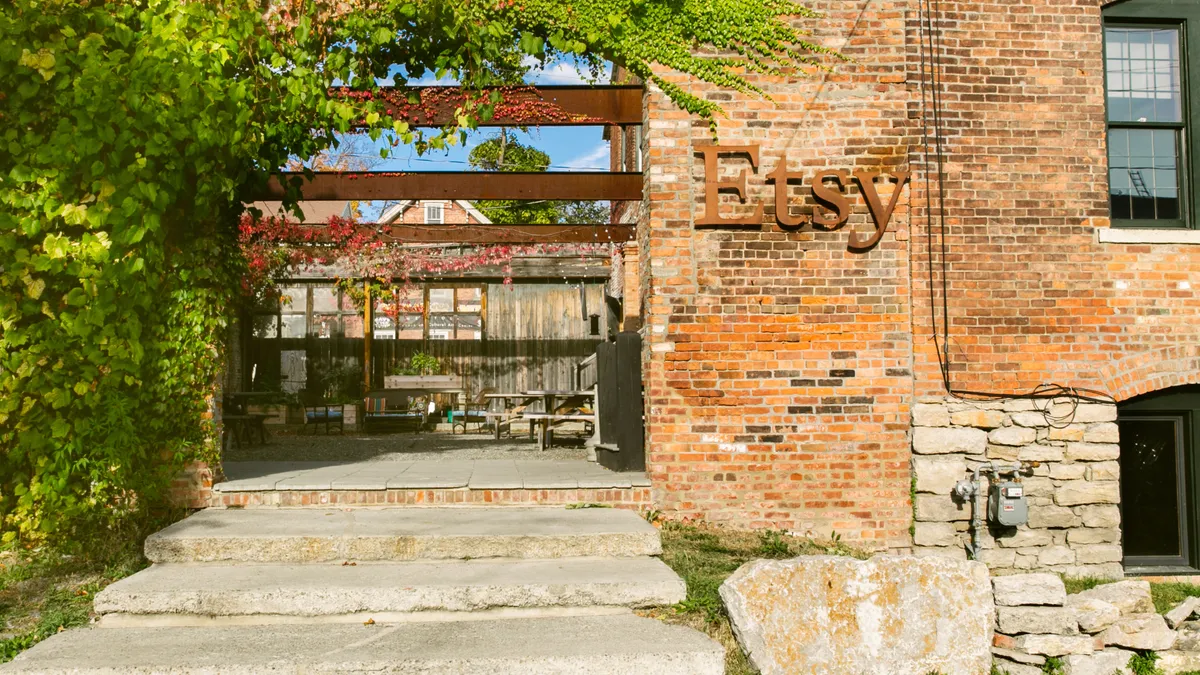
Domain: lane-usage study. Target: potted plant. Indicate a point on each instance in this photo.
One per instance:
(421, 371)
(341, 385)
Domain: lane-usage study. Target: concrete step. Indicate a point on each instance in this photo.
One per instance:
(597, 645)
(332, 535)
(204, 593)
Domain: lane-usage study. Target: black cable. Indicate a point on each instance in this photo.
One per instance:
(1049, 392)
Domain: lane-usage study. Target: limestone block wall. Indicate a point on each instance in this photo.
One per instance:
(1074, 494)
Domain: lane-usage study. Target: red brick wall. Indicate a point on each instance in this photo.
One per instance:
(1033, 297)
(752, 334)
(779, 364)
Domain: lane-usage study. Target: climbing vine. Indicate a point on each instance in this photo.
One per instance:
(131, 131)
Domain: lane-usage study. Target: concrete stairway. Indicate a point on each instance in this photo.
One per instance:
(418, 590)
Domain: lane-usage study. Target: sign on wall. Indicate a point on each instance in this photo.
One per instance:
(832, 205)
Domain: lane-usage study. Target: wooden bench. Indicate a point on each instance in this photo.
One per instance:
(394, 408)
(551, 420)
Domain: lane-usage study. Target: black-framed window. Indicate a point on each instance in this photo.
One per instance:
(1150, 53)
(1160, 511)
(431, 312)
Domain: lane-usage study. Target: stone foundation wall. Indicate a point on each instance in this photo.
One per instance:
(1074, 515)
(192, 488)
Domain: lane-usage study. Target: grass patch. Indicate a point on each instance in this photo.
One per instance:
(1080, 584)
(705, 556)
(47, 590)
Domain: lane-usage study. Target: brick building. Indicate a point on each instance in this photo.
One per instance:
(1047, 235)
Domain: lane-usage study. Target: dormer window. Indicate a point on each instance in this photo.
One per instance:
(435, 214)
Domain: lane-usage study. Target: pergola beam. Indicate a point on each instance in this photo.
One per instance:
(564, 105)
(368, 186)
(510, 234)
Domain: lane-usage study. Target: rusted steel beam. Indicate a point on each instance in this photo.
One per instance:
(569, 105)
(510, 234)
(476, 233)
(365, 186)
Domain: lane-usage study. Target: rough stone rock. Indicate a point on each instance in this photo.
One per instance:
(1030, 418)
(1130, 597)
(1075, 492)
(933, 441)
(1175, 661)
(1141, 632)
(1019, 657)
(1018, 405)
(984, 419)
(1105, 432)
(890, 615)
(934, 534)
(1026, 538)
(1011, 667)
(1029, 589)
(1017, 620)
(1093, 452)
(941, 508)
(937, 475)
(1055, 555)
(1052, 516)
(1073, 432)
(1094, 412)
(1068, 471)
(1182, 612)
(1101, 516)
(1012, 436)
(1107, 662)
(1188, 639)
(1093, 614)
(1094, 554)
(930, 415)
(1110, 470)
(1057, 645)
(1093, 535)
(1040, 453)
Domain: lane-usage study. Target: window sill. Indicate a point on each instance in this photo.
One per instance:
(1131, 235)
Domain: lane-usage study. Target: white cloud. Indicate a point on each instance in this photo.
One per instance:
(560, 72)
(596, 159)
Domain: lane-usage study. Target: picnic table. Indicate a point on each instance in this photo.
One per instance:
(511, 408)
(559, 406)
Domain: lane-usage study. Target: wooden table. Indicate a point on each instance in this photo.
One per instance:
(552, 401)
(239, 422)
(510, 413)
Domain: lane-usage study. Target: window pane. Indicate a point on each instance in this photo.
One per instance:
(469, 299)
(1150, 477)
(293, 326)
(266, 325)
(384, 327)
(327, 325)
(441, 300)
(295, 298)
(412, 327)
(352, 325)
(325, 299)
(468, 327)
(1143, 174)
(1143, 74)
(348, 304)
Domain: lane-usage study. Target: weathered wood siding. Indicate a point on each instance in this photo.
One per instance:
(534, 336)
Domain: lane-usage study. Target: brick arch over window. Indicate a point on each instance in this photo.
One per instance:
(1152, 370)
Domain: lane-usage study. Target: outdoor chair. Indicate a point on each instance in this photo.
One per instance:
(473, 411)
(317, 412)
(238, 424)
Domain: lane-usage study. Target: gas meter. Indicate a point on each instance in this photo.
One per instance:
(1006, 504)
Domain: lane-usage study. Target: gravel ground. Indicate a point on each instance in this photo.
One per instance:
(289, 446)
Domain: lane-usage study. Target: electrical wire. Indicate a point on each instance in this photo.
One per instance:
(1055, 395)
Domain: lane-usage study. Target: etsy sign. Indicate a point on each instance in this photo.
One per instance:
(832, 205)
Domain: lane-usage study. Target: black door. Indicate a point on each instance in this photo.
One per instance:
(1158, 465)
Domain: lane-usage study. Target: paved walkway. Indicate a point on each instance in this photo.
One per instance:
(498, 474)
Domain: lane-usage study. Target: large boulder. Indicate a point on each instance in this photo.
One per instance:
(890, 615)
(1143, 632)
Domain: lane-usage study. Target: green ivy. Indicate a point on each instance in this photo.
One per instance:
(130, 133)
